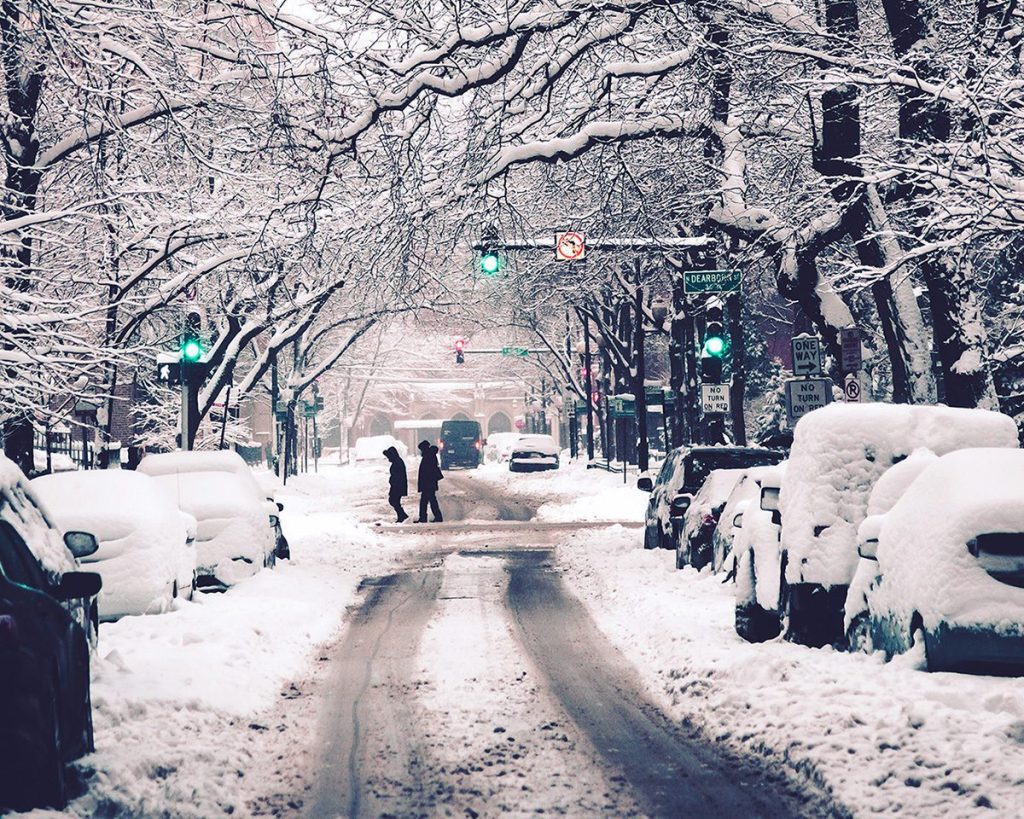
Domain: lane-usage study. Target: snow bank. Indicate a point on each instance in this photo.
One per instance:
(569, 493)
(885, 739)
(838, 454)
(184, 702)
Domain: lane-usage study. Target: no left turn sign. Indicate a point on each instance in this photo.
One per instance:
(570, 246)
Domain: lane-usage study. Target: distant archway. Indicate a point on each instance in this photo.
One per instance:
(460, 416)
(499, 422)
(380, 425)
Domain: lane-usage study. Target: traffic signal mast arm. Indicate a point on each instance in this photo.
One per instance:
(616, 243)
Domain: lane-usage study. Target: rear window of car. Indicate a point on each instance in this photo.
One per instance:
(700, 464)
(460, 430)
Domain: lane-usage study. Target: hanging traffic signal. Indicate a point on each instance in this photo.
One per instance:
(490, 261)
(460, 347)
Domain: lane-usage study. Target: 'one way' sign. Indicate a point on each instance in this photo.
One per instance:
(806, 355)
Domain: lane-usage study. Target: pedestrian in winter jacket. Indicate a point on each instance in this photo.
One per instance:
(399, 482)
(427, 482)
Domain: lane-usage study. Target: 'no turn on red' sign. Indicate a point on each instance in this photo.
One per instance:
(570, 246)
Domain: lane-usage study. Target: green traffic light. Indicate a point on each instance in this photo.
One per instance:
(714, 346)
(489, 263)
(192, 350)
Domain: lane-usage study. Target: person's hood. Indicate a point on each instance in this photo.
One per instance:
(391, 453)
(424, 446)
(434, 450)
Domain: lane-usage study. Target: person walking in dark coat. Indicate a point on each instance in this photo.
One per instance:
(399, 482)
(427, 482)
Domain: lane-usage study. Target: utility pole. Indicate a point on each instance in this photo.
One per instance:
(643, 453)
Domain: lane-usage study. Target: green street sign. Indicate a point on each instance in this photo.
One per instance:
(620, 407)
(521, 352)
(670, 396)
(711, 281)
(653, 395)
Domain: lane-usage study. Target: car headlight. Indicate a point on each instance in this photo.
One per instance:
(273, 520)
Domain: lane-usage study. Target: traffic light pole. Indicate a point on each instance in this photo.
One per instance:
(590, 388)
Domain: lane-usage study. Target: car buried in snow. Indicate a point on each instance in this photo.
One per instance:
(757, 562)
(950, 565)
(224, 460)
(234, 538)
(839, 452)
(533, 453)
(681, 475)
(47, 622)
(146, 554)
(693, 533)
(747, 492)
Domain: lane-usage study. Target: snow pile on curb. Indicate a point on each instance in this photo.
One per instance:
(882, 738)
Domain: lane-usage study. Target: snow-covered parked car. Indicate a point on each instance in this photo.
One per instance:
(757, 561)
(145, 556)
(838, 453)
(692, 533)
(747, 491)
(532, 453)
(47, 612)
(498, 446)
(889, 488)
(262, 488)
(233, 538)
(950, 557)
(371, 448)
(682, 473)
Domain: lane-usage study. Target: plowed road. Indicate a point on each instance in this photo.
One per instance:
(473, 684)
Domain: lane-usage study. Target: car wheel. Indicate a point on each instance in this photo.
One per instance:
(858, 635)
(270, 560)
(680, 558)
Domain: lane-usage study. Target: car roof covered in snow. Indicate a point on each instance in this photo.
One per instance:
(223, 460)
(838, 454)
(44, 540)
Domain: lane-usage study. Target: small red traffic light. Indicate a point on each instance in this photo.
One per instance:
(460, 344)
(595, 397)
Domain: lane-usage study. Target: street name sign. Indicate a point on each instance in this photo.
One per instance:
(714, 399)
(621, 407)
(806, 354)
(851, 389)
(804, 395)
(711, 281)
(521, 352)
(654, 395)
(570, 246)
(849, 343)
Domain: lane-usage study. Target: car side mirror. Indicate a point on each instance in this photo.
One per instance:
(645, 484)
(280, 506)
(75, 585)
(680, 503)
(81, 544)
(770, 498)
(737, 521)
(868, 549)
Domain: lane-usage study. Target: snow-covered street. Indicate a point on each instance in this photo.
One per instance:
(236, 704)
